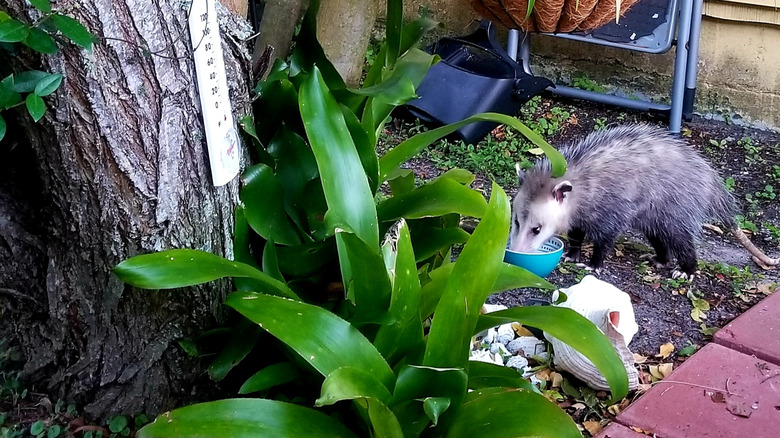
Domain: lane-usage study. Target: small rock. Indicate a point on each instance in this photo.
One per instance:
(517, 362)
(487, 308)
(505, 333)
(527, 346)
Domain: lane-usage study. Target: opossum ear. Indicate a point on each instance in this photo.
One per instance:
(560, 189)
(520, 174)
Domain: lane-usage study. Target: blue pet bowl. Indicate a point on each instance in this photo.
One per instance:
(542, 261)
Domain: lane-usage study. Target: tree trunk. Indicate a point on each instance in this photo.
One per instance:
(117, 167)
(344, 30)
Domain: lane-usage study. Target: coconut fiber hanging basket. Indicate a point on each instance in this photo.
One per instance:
(552, 15)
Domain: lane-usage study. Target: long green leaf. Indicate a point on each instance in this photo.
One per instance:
(434, 407)
(366, 147)
(328, 342)
(243, 338)
(263, 198)
(573, 329)
(369, 284)
(2, 127)
(436, 198)
(187, 267)
(343, 179)
(418, 383)
(244, 418)
(488, 375)
(410, 147)
(394, 25)
(509, 277)
(472, 277)
(270, 376)
(510, 414)
(405, 334)
(349, 383)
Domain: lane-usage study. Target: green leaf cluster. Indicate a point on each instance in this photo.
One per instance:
(356, 320)
(43, 36)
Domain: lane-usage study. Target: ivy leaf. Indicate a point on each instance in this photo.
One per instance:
(40, 41)
(26, 81)
(2, 127)
(48, 85)
(42, 5)
(13, 31)
(35, 106)
(74, 30)
(8, 96)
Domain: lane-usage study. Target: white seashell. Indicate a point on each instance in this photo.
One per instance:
(505, 333)
(517, 362)
(527, 346)
(490, 336)
(611, 311)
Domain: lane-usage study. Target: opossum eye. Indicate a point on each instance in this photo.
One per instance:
(536, 230)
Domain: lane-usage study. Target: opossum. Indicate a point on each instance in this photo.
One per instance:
(631, 176)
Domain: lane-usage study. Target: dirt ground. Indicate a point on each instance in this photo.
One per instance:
(728, 283)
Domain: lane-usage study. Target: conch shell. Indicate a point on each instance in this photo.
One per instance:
(609, 308)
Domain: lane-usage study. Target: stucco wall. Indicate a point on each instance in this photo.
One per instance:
(739, 64)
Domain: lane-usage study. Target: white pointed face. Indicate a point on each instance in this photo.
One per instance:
(534, 223)
(538, 217)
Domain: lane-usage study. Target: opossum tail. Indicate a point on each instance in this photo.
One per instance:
(758, 255)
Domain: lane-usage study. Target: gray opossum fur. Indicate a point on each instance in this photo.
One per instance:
(631, 176)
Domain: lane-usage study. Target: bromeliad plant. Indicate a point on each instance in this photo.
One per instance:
(380, 330)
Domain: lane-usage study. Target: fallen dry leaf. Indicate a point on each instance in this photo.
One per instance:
(545, 374)
(665, 350)
(643, 388)
(557, 378)
(579, 406)
(665, 369)
(520, 330)
(638, 358)
(614, 410)
(718, 397)
(740, 409)
(593, 427)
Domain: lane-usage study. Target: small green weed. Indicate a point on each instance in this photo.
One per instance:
(752, 150)
(600, 123)
(775, 173)
(729, 184)
(738, 277)
(585, 83)
(774, 231)
(768, 193)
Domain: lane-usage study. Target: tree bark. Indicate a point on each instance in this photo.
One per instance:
(117, 167)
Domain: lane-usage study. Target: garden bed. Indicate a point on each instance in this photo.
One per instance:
(668, 311)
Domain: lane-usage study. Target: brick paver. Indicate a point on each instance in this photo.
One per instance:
(615, 430)
(748, 386)
(755, 332)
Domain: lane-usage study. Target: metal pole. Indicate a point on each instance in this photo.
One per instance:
(680, 64)
(693, 60)
(511, 43)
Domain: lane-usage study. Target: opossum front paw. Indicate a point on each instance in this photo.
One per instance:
(677, 274)
(573, 258)
(588, 268)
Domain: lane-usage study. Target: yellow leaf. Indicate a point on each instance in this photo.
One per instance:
(520, 330)
(536, 151)
(665, 369)
(593, 427)
(665, 350)
(557, 378)
(653, 369)
(638, 358)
